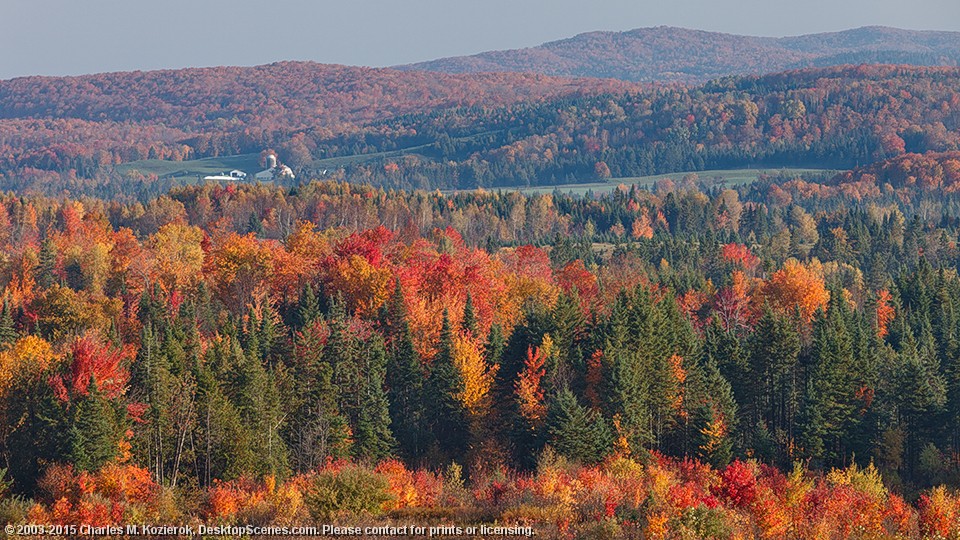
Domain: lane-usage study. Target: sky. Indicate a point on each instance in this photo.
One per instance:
(71, 37)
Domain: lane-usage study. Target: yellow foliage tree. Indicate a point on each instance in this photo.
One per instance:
(364, 286)
(177, 255)
(477, 375)
(26, 360)
(27, 357)
(240, 266)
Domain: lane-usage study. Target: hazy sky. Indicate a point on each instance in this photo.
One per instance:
(65, 37)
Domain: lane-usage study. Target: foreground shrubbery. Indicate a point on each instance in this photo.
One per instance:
(658, 498)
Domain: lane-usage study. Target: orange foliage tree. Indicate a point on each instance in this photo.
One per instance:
(796, 287)
(528, 385)
(884, 312)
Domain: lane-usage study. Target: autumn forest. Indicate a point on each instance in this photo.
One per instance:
(402, 335)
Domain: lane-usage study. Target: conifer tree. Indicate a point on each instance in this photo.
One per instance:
(506, 418)
(921, 391)
(469, 323)
(8, 333)
(829, 402)
(494, 345)
(258, 404)
(771, 387)
(567, 331)
(575, 431)
(374, 440)
(405, 384)
(95, 431)
(628, 402)
(47, 264)
(317, 429)
(308, 308)
(446, 415)
(224, 450)
(713, 414)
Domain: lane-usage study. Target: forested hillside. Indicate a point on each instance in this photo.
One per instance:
(835, 118)
(415, 130)
(668, 54)
(80, 127)
(645, 362)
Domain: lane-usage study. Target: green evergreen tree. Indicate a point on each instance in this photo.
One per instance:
(405, 382)
(445, 413)
(8, 332)
(469, 323)
(567, 329)
(922, 393)
(628, 402)
(258, 404)
(317, 429)
(47, 264)
(713, 412)
(95, 431)
(575, 431)
(308, 308)
(513, 436)
(39, 428)
(771, 387)
(224, 448)
(374, 440)
(830, 406)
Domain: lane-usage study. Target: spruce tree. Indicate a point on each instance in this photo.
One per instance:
(374, 440)
(47, 264)
(258, 404)
(713, 412)
(405, 382)
(628, 401)
(829, 404)
(575, 431)
(224, 449)
(446, 414)
(770, 389)
(39, 435)
(317, 429)
(94, 432)
(567, 330)
(494, 345)
(469, 323)
(506, 418)
(8, 333)
(921, 391)
(308, 308)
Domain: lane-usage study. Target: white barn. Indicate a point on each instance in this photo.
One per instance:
(274, 171)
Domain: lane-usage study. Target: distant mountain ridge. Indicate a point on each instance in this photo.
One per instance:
(670, 54)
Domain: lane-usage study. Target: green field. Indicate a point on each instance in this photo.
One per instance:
(731, 177)
(189, 170)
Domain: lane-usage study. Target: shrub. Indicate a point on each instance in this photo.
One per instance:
(939, 513)
(350, 490)
(14, 510)
(706, 522)
(739, 484)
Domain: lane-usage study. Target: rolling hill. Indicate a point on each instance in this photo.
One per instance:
(138, 133)
(680, 55)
